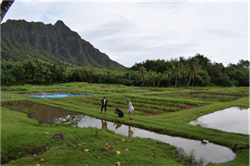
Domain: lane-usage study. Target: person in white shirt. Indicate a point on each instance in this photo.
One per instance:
(130, 108)
(104, 104)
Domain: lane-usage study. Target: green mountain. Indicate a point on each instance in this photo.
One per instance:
(22, 40)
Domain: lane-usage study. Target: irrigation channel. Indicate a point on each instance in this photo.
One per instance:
(208, 152)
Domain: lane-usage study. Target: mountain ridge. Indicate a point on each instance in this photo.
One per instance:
(22, 40)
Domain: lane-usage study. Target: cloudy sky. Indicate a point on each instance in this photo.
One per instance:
(130, 32)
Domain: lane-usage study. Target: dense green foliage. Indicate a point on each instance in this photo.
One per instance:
(200, 71)
(37, 72)
(21, 40)
(180, 73)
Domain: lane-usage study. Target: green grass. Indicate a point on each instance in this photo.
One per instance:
(29, 135)
(19, 146)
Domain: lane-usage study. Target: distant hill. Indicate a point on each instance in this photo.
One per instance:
(22, 40)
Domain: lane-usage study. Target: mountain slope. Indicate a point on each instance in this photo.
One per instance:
(21, 40)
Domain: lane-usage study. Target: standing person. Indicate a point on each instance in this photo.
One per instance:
(104, 104)
(130, 108)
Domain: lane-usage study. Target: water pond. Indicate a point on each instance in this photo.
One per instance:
(45, 114)
(37, 111)
(234, 119)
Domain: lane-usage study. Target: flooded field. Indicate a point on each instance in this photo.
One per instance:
(234, 119)
(40, 112)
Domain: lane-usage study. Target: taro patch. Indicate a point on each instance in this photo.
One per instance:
(142, 106)
(204, 96)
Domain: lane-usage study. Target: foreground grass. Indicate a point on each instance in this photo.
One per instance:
(24, 137)
(171, 123)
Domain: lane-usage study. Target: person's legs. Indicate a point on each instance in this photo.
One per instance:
(130, 115)
(101, 109)
(120, 115)
(105, 108)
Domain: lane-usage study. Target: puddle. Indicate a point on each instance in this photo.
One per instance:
(234, 119)
(45, 114)
(206, 152)
(40, 112)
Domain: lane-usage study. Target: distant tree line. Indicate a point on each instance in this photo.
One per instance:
(199, 70)
(194, 71)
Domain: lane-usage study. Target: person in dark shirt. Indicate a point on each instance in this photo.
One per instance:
(119, 112)
(104, 104)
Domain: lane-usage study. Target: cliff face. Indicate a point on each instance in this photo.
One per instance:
(21, 40)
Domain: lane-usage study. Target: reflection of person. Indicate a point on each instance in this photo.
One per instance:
(119, 112)
(104, 104)
(117, 125)
(130, 132)
(130, 108)
(104, 124)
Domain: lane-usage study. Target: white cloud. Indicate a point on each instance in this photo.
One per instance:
(130, 32)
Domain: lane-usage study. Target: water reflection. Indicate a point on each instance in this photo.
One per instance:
(207, 152)
(117, 125)
(40, 112)
(104, 124)
(130, 132)
(234, 119)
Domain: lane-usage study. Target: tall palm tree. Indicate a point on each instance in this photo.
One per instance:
(176, 71)
(142, 74)
(193, 68)
(5, 5)
(160, 77)
(152, 76)
(196, 77)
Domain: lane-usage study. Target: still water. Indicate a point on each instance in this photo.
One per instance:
(207, 152)
(234, 119)
(40, 112)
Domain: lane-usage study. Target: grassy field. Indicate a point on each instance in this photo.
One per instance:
(22, 137)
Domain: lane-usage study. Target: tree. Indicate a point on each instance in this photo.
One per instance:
(88, 73)
(196, 77)
(152, 76)
(202, 60)
(214, 70)
(4, 7)
(160, 76)
(238, 74)
(193, 68)
(142, 75)
(243, 63)
(176, 71)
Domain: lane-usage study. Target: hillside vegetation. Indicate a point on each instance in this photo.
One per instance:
(22, 40)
